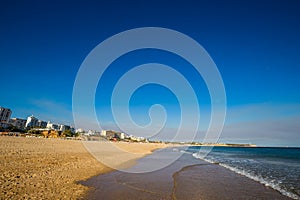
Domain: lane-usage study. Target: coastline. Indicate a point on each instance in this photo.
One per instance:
(186, 178)
(51, 168)
(65, 169)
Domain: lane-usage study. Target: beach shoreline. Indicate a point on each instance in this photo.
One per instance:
(68, 169)
(52, 168)
(186, 178)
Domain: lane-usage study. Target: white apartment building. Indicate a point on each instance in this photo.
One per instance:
(31, 121)
(17, 122)
(41, 124)
(111, 133)
(103, 133)
(52, 126)
(64, 127)
(80, 130)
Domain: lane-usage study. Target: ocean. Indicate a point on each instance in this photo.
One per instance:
(278, 168)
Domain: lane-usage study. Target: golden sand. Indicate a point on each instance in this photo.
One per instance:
(38, 168)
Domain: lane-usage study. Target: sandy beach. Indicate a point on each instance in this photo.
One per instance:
(38, 168)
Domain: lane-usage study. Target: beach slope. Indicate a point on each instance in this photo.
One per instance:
(51, 168)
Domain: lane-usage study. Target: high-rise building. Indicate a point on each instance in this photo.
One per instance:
(5, 114)
(41, 124)
(52, 126)
(31, 121)
(17, 122)
(64, 127)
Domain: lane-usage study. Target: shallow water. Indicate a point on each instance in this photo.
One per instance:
(278, 168)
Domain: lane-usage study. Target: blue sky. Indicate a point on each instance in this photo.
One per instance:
(255, 45)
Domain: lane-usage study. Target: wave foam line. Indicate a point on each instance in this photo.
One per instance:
(253, 177)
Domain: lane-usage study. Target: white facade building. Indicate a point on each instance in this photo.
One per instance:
(17, 122)
(31, 121)
(112, 134)
(41, 124)
(122, 136)
(64, 127)
(103, 133)
(52, 126)
(80, 130)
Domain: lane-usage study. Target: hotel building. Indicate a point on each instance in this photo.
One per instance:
(5, 114)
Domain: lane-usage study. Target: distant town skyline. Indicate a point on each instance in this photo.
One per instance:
(255, 45)
(29, 122)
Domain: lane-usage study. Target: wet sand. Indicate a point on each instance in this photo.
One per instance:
(212, 181)
(38, 168)
(186, 178)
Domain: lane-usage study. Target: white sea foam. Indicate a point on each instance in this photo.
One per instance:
(269, 183)
(186, 152)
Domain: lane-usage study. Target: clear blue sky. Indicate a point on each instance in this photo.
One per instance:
(255, 45)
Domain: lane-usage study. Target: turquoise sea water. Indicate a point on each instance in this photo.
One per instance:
(278, 168)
